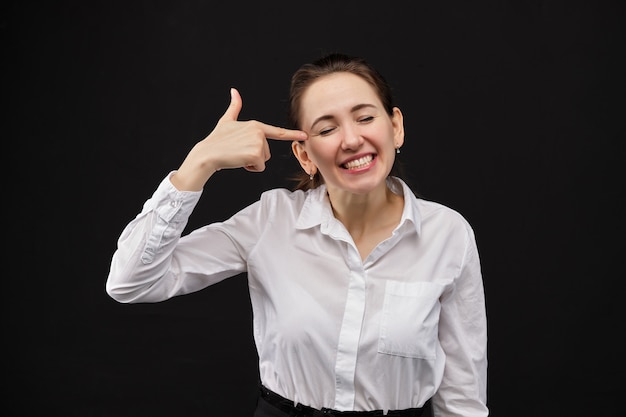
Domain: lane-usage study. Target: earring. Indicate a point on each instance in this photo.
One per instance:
(398, 149)
(311, 175)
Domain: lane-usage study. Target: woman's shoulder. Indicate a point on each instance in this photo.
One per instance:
(437, 211)
(283, 194)
(428, 210)
(281, 199)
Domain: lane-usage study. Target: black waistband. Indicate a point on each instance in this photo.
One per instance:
(301, 410)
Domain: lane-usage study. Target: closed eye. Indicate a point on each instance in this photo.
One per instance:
(327, 131)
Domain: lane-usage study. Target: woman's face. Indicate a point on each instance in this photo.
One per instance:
(352, 140)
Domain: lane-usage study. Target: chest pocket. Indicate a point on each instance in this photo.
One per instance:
(410, 319)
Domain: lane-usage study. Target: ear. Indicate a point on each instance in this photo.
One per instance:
(303, 158)
(397, 121)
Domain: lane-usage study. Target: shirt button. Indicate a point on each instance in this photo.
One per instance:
(173, 203)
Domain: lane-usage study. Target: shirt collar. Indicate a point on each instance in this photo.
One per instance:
(317, 210)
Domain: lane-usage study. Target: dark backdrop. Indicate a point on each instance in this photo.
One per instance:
(514, 116)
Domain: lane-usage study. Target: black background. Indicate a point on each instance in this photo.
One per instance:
(514, 116)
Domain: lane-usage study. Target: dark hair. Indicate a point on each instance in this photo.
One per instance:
(308, 73)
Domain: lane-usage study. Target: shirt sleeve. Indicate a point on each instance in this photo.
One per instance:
(463, 336)
(152, 262)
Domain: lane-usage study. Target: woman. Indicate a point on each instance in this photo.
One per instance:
(365, 297)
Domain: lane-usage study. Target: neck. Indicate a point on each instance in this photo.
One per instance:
(363, 213)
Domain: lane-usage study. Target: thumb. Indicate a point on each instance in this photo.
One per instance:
(232, 112)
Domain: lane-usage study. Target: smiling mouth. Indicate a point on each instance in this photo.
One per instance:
(359, 163)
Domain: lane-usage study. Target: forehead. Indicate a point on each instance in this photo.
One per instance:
(335, 92)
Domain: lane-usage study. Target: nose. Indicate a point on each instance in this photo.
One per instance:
(352, 138)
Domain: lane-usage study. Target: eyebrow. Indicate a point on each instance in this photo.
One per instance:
(329, 116)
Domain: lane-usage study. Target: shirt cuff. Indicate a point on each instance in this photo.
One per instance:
(171, 204)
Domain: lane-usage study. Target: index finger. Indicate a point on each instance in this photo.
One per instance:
(280, 133)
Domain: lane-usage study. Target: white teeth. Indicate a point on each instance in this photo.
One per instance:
(358, 163)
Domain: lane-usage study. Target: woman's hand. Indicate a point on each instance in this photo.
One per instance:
(231, 144)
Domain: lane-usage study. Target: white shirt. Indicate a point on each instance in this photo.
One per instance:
(331, 330)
